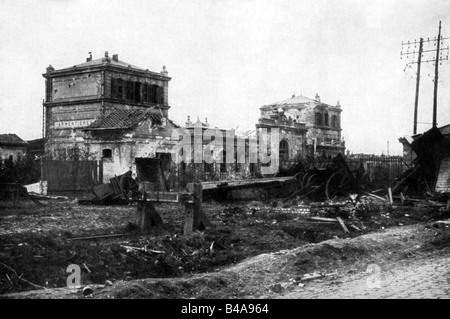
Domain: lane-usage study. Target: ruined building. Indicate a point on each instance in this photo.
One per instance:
(307, 126)
(108, 109)
(77, 96)
(427, 155)
(231, 157)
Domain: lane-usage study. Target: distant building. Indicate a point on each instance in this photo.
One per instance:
(232, 165)
(307, 126)
(12, 147)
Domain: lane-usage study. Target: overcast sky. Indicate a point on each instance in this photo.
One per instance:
(228, 58)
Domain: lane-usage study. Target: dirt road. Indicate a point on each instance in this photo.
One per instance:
(411, 279)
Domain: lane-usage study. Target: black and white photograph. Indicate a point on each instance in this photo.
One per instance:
(232, 157)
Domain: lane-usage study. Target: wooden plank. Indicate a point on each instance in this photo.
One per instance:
(323, 219)
(97, 237)
(402, 198)
(377, 197)
(166, 197)
(341, 222)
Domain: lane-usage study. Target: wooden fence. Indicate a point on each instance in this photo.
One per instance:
(71, 175)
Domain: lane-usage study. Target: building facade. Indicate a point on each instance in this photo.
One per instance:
(77, 96)
(226, 153)
(307, 126)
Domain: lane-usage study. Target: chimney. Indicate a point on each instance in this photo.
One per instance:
(89, 58)
(116, 57)
(317, 97)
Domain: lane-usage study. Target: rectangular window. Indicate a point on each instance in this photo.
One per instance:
(159, 95)
(119, 89)
(153, 90)
(319, 119)
(113, 88)
(326, 120)
(116, 88)
(137, 91)
(145, 92)
(129, 90)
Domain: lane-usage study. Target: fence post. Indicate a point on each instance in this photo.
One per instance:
(195, 218)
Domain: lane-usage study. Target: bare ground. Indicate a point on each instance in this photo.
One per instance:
(246, 253)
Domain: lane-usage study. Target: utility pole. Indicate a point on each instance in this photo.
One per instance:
(416, 101)
(410, 52)
(436, 64)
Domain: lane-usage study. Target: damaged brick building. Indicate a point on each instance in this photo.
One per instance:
(108, 109)
(307, 126)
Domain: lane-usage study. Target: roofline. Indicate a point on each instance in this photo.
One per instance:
(102, 67)
(285, 127)
(108, 128)
(146, 116)
(305, 104)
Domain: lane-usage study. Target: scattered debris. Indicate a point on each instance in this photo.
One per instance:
(20, 277)
(341, 222)
(88, 292)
